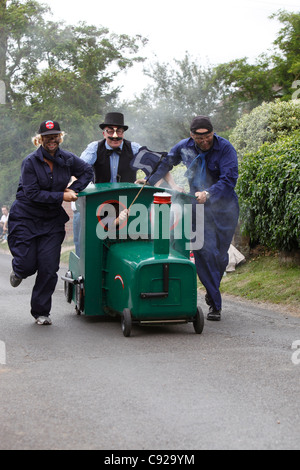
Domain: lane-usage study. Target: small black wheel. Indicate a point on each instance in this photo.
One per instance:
(126, 322)
(68, 287)
(79, 289)
(199, 321)
(78, 312)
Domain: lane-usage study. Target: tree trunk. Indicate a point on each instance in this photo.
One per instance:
(3, 40)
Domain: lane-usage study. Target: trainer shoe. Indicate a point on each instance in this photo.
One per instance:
(213, 314)
(15, 281)
(43, 321)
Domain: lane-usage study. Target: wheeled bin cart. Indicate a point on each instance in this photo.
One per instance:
(140, 270)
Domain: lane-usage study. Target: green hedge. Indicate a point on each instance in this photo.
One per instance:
(266, 123)
(269, 194)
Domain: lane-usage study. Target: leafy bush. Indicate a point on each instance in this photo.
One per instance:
(266, 123)
(269, 194)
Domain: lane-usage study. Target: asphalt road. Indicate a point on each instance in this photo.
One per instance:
(79, 384)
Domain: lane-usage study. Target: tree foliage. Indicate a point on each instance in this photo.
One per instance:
(269, 193)
(37, 51)
(161, 115)
(54, 71)
(245, 86)
(21, 24)
(265, 123)
(81, 63)
(225, 92)
(268, 144)
(287, 53)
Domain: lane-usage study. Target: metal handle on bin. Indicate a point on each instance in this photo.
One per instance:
(159, 295)
(70, 280)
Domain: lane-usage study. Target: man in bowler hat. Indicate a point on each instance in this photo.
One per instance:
(111, 156)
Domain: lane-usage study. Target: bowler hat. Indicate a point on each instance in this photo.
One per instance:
(49, 127)
(114, 119)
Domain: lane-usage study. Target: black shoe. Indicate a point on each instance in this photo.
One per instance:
(213, 314)
(208, 300)
(15, 281)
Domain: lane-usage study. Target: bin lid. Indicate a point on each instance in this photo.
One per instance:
(100, 188)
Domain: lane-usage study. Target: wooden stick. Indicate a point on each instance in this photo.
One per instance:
(146, 181)
(137, 195)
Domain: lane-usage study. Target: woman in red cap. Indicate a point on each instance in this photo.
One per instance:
(37, 219)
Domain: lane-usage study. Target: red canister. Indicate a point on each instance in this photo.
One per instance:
(162, 198)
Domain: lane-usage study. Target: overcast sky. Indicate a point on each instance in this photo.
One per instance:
(212, 32)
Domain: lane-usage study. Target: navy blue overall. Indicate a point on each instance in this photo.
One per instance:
(221, 211)
(37, 220)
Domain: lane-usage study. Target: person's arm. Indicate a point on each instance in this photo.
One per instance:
(160, 173)
(69, 195)
(170, 180)
(228, 168)
(89, 155)
(122, 216)
(202, 196)
(135, 147)
(83, 172)
(172, 159)
(5, 226)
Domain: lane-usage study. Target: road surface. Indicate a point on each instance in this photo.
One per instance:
(79, 384)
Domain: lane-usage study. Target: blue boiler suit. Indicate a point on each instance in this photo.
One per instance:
(37, 220)
(221, 211)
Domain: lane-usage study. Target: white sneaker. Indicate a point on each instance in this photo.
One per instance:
(43, 321)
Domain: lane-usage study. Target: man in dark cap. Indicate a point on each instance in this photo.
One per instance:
(111, 156)
(212, 171)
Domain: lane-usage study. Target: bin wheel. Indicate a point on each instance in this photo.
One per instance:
(126, 322)
(68, 288)
(78, 312)
(199, 321)
(79, 289)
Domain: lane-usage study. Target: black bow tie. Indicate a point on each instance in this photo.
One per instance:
(110, 151)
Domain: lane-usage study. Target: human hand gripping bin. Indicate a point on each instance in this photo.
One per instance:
(140, 269)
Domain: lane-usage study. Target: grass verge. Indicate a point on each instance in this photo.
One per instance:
(265, 278)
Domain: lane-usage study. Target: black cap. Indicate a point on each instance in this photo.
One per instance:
(114, 119)
(201, 122)
(49, 127)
